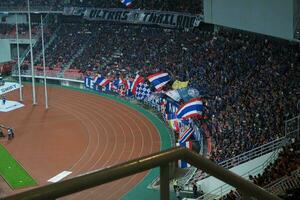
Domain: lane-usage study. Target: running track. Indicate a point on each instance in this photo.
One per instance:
(80, 132)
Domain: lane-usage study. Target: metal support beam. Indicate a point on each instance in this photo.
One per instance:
(164, 182)
(161, 159)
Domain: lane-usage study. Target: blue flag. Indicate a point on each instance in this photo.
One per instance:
(127, 2)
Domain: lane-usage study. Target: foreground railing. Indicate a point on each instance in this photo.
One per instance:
(160, 159)
(225, 189)
(285, 183)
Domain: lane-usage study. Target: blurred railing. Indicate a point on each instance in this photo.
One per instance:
(59, 74)
(254, 153)
(292, 127)
(225, 189)
(285, 183)
(160, 159)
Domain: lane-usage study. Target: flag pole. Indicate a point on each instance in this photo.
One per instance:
(18, 53)
(44, 64)
(31, 57)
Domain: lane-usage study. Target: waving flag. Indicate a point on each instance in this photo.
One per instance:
(127, 2)
(128, 86)
(188, 145)
(142, 91)
(159, 79)
(192, 108)
(179, 84)
(138, 79)
(103, 81)
(97, 79)
(185, 133)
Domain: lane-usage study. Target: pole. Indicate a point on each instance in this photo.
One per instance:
(44, 64)
(18, 53)
(31, 57)
(164, 182)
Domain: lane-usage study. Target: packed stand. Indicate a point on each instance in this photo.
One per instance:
(66, 44)
(188, 6)
(34, 4)
(250, 83)
(37, 48)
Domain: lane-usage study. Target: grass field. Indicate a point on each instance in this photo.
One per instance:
(12, 172)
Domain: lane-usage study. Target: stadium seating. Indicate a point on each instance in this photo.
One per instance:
(249, 82)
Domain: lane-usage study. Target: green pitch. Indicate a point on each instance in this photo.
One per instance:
(13, 173)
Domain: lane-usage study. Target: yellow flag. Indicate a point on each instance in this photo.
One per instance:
(178, 84)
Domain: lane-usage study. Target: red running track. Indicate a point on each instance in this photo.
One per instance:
(80, 132)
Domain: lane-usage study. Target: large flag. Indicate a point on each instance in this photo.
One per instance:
(97, 79)
(192, 108)
(188, 145)
(103, 81)
(173, 94)
(179, 84)
(159, 79)
(142, 91)
(138, 79)
(185, 133)
(127, 2)
(188, 93)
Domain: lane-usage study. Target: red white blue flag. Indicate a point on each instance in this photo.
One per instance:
(192, 108)
(188, 145)
(185, 133)
(103, 81)
(159, 79)
(138, 79)
(127, 2)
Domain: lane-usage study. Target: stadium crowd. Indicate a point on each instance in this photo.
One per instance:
(188, 6)
(250, 83)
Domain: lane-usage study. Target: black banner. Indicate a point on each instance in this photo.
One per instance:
(167, 19)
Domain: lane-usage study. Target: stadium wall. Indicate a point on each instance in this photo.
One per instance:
(269, 17)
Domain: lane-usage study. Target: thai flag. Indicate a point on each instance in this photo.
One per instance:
(185, 134)
(159, 79)
(188, 145)
(113, 87)
(127, 2)
(118, 82)
(128, 86)
(138, 79)
(103, 82)
(192, 108)
(97, 79)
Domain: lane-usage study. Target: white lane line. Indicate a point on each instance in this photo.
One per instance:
(59, 176)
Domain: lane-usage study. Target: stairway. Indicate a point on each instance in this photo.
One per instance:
(53, 37)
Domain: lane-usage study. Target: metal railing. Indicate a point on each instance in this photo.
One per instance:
(160, 159)
(292, 127)
(225, 189)
(285, 183)
(254, 153)
(51, 74)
